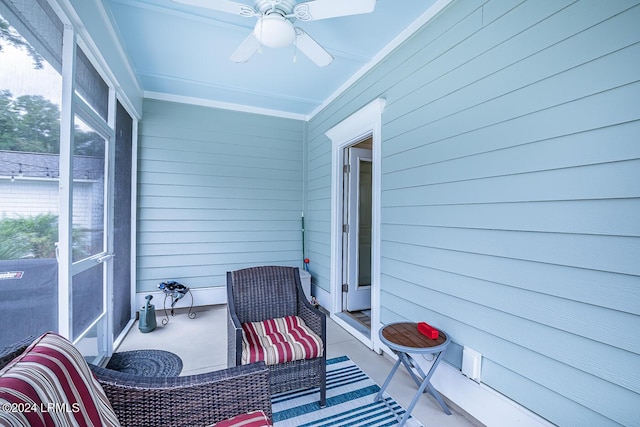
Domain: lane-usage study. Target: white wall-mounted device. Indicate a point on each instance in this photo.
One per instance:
(471, 363)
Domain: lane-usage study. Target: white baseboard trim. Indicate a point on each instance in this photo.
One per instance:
(482, 402)
(201, 297)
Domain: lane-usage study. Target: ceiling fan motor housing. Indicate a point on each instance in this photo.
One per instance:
(285, 7)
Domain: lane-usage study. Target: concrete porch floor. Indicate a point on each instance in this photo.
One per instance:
(201, 343)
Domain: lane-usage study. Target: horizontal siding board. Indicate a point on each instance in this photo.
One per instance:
(319, 186)
(235, 237)
(604, 217)
(481, 143)
(214, 191)
(262, 204)
(260, 145)
(259, 213)
(582, 251)
(212, 180)
(249, 159)
(202, 250)
(603, 181)
(193, 136)
(493, 10)
(244, 169)
(212, 273)
(205, 275)
(485, 158)
(320, 174)
(177, 263)
(170, 225)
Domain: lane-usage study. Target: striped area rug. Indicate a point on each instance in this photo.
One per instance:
(350, 394)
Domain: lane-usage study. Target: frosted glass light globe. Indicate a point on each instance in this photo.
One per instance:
(274, 31)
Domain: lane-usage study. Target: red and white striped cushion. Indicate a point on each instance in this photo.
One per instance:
(279, 340)
(251, 419)
(50, 384)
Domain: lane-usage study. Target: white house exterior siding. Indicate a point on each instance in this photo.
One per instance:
(25, 197)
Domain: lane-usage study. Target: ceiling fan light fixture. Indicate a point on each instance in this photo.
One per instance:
(274, 30)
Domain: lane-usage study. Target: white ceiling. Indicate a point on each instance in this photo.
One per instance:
(181, 52)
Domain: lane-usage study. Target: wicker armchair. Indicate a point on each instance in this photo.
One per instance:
(261, 293)
(194, 400)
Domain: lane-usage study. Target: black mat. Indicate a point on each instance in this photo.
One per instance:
(148, 363)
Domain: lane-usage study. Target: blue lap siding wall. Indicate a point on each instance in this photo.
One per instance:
(511, 196)
(218, 190)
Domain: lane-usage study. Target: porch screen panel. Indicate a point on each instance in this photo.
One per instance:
(122, 222)
(87, 301)
(30, 91)
(89, 157)
(90, 86)
(39, 25)
(88, 236)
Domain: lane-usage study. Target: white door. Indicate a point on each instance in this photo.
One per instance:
(359, 210)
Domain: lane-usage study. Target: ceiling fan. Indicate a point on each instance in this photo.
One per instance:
(275, 28)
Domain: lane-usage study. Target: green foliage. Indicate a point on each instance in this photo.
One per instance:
(36, 237)
(29, 123)
(28, 237)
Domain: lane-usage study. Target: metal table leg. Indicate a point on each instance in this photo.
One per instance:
(422, 380)
(388, 380)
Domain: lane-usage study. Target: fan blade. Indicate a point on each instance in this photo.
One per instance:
(247, 48)
(323, 9)
(311, 49)
(221, 5)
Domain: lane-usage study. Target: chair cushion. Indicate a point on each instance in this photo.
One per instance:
(279, 340)
(251, 419)
(50, 384)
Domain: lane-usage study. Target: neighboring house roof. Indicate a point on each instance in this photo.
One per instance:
(45, 165)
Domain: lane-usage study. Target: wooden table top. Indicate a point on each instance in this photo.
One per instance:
(406, 334)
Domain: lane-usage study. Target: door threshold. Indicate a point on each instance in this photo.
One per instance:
(354, 325)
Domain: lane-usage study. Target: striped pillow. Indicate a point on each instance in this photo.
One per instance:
(50, 384)
(279, 340)
(251, 419)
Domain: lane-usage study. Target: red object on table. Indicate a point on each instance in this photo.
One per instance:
(428, 330)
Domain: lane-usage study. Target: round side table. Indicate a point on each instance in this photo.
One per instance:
(404, 339)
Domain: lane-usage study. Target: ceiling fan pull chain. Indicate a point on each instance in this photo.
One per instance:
(295, 48)
(261, 29)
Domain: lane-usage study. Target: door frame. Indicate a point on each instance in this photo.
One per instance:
(364, 123)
